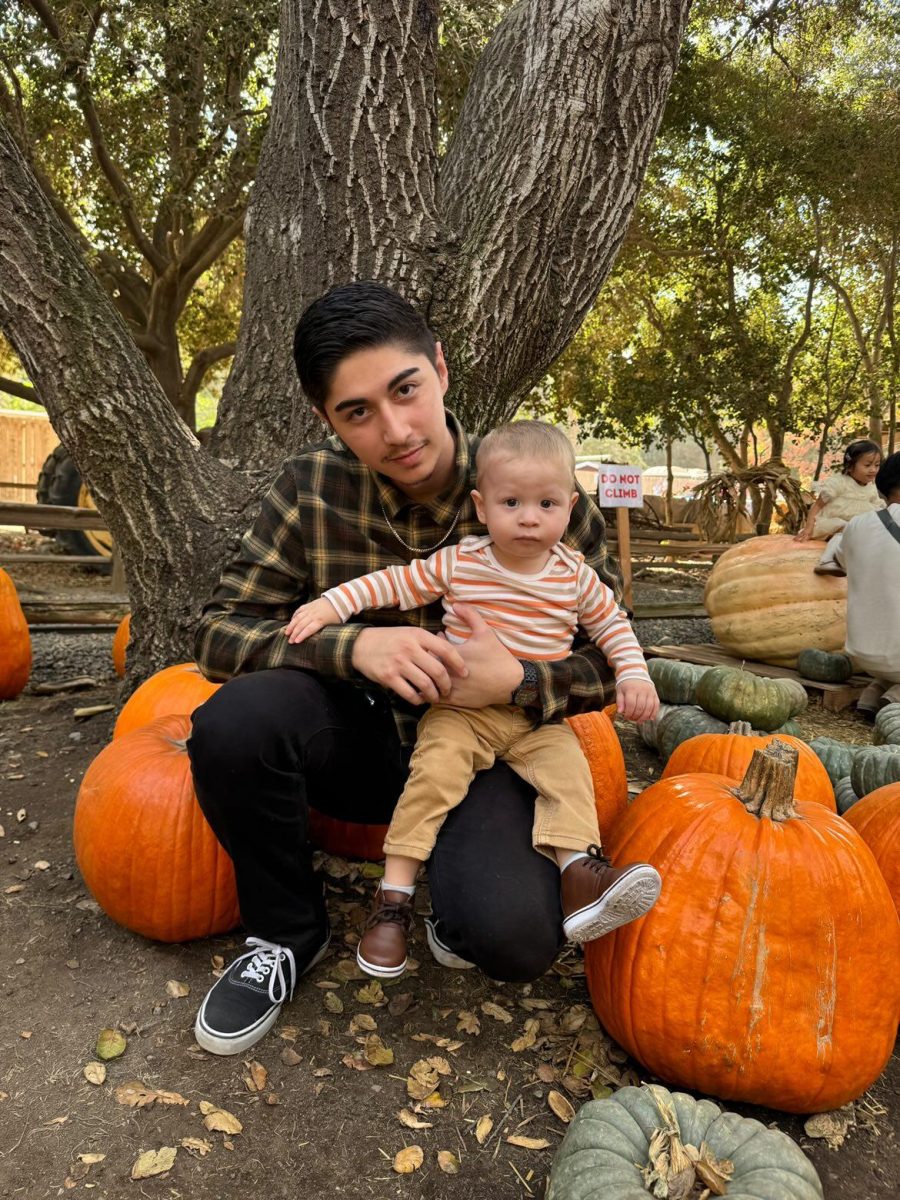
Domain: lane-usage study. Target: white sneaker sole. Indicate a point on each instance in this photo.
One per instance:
(225, 1044)
(629, 898)
(380, 972)
(441, 954)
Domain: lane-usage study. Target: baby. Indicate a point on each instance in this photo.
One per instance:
(841, 498)
(534, 592)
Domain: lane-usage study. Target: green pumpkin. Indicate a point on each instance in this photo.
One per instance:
(791, 729)
(797, 692)
(844, 795)
(606, 1150)
(887, 726)
(675, 682)
(649, 730)
(734, 695)
(824, 667)
(836, 757)
(682, 722)
(875, 767)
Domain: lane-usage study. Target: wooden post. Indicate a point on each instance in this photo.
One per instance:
(623, 533)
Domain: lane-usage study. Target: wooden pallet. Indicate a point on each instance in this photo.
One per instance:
(834, 696)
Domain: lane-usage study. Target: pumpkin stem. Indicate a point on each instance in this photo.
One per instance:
(767, 789)
(741, 728)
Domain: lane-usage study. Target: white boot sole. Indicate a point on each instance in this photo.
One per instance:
(629, 898)
(380, 972)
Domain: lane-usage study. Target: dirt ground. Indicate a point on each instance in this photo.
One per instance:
(313, 1122)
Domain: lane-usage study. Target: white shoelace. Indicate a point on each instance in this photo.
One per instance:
(267, 960)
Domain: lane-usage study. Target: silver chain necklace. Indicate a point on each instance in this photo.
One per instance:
(417, 550)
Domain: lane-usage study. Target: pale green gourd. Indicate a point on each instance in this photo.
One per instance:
(836, 757)
(875, 767)
(675, 682)
(733, 695)
(682, 722)
(607, 1147)
(887, 726)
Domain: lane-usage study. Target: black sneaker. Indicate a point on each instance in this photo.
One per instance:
(443, 954)
(244, 1004)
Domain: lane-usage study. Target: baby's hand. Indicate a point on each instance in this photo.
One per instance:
(636, 700)
(802, 536)
(309, 619)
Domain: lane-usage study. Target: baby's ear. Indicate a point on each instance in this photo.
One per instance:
(478, 501)
(573, 501)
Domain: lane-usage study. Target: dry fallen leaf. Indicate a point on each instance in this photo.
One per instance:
(219, 1120)
(356, 1062)
(42, 865)
(448, 1162)
(483, 1127)
(527, 1143)
(376, 1052)
(199, 1147)
(422, 1080)
(398, 1004)
(832, 1125)
(333, 1002)
(90, 1159)
(95, 1072)
(177, 990)
(137, 1095)
(561, 1106)
(256, 1080)
(110, 1044)
(372, 993)
(468, 1023)
(411, 1121)
(546, 1073)
(290, 1057)
(408, 1160)
(435, 1100)
(25, 1033)
(494, 1010)
(154, 1162)
(13, 888)
(362, 1023)
(528, 1038)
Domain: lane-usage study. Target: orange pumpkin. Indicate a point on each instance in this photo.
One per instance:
(15, 641)
(600, 745)
(729, 754)
(876, 818)
(178, 689)
(769, 969)
(142, 843)
(121, 638)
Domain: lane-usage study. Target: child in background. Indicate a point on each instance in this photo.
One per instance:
(840, 498)
(534, 592)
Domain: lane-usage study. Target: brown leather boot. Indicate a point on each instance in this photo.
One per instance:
(598, 897)
(382, 947)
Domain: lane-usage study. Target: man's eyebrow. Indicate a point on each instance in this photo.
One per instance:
(398, 379)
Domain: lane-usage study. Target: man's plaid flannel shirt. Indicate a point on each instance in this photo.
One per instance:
(320, 524)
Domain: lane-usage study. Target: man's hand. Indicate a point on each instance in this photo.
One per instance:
(636, 700)
(419, 666)
(309, 619)
(493, 672)
(803, 536)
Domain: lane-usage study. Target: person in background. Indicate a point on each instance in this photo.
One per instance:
(840, 499)
(869, 552)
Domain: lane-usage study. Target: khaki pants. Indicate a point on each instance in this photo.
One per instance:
(454, 743)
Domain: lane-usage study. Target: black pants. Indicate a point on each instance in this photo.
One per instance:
(269, 744)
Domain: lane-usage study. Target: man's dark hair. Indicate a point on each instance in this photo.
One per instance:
(350, 317)
(888, 478)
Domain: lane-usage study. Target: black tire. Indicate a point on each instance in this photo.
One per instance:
(60, 483)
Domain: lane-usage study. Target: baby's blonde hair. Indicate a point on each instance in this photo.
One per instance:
(525, 439)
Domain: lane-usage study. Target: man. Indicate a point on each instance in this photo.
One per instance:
(870, 554)
(331, 722)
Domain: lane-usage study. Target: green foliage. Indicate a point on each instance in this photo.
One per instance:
(757, 284)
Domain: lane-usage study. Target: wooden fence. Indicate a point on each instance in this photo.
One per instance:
(26, 438)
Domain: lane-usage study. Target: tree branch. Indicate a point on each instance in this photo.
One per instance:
(77, 68)
(22, 391)
(201, 363)
(214, 248)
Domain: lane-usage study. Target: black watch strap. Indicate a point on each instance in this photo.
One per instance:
(526, 695)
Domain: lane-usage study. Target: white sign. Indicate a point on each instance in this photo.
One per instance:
(620, 487)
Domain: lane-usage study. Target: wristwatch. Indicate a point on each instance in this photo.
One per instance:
(526, 695)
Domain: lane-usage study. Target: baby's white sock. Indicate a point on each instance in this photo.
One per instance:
(398, 887)
(566, 858)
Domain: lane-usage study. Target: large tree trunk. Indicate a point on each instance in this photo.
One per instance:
(169, 505)
(505, 247)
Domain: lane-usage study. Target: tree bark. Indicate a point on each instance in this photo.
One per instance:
(169, 505)
(505, 250)
(505, 258)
